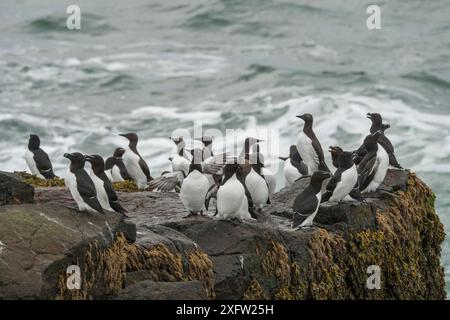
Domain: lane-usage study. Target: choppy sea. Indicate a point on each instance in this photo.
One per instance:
(157, 66)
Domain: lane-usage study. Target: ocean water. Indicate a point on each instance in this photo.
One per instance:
(156, 67)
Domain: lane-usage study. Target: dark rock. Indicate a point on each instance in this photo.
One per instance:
(151, 290)
(13, 190)
(37, 240)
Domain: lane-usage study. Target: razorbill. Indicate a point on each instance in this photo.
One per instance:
(309, 146)
(38, 160)
(373, 167)
(194, 188)
(307, 203)
(106, 194)
(344, 179)
(294, 167)
(115, 168)
(232, 201)
(80, 184)
(135, 164)
(377, 125)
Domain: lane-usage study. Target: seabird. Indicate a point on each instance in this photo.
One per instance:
(373, 167)
(294, 167)
(80, 184)
(309, 146)
(115, 168)
(106, 194)
(194, 187)
(255, 182)
(344, 179)
(377, 125)
(232, 201)
(135, 164)
(307, 203)
(38, 160)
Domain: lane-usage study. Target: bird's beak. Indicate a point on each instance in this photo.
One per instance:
(301, 116)
(332, 149)
(259, 140)
(67, 155)
(123, 135)
(87, 157)
(369, 115)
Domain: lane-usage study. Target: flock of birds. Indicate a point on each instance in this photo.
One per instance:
(241, 184)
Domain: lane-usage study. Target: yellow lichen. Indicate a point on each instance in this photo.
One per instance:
(34, 181)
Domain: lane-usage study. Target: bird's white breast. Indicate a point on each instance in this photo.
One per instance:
(258, 189)
(290, 172)
(193, 191)
(29, 158)
(101, 192)
(348, 180)
(307, 152)
(131, 161)
(229, 198)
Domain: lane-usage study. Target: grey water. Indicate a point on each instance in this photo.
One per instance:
(157, 66)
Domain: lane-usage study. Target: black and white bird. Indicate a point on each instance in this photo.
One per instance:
(377, 125)
(81, 185)
(374, 165)
(344, 178)
(37, 159)
(307, 203)
(135, 164)
(294, 167)
(195, 186)
(232, 201)
(255, 182)
(106, 194)
(309, 146)
(115, 168)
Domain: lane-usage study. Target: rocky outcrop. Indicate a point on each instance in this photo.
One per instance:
(13, 190)
(173, 257)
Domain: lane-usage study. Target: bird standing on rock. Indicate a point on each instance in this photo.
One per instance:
(344, 179)
(115, 168)
(373, 167)
(105, 192)
(307, 203)
(38, 160)
(195, 186)
(81, 185)
(135, 164)
(309, 146)
(294, 167)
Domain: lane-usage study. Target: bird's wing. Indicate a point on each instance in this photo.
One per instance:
(214, 164)
(166, 182)
(359, 154)
(145, 169)
(332, 183)
(366, 170)
(318, 149)
(43, 163)
(305, 205)
(86, 189)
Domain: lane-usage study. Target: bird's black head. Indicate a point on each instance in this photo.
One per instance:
(97, 162)
(292, 150)
(77, 160)
(34, 142)
(118, 153)
(318, 178)
(335, 150)
(375, 118)
(131, 136)
(307, 117)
